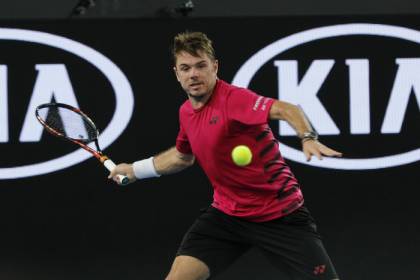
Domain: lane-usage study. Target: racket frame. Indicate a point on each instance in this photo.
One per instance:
(81, 142)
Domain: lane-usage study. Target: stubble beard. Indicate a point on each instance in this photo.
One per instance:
(201, 96)
(195, 97)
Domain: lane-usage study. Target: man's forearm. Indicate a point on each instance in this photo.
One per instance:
(172, 161)
(292, 114)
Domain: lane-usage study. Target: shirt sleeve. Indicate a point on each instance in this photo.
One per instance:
(247, 107)
(182, 143)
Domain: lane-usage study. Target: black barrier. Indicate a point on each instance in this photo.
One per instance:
(361, 92)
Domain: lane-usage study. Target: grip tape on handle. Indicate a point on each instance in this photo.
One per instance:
(110, 165)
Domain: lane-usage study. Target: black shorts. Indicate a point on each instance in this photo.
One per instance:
(290, 243)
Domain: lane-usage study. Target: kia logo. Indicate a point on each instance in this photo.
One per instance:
(303, 91)
(53, 81)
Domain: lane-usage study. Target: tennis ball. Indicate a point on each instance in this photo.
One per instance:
(241, 155)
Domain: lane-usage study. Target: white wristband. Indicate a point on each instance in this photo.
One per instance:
(145, 169)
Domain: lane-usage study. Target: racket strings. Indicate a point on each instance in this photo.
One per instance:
(69, 123)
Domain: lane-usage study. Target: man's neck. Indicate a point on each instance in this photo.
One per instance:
(197, 103)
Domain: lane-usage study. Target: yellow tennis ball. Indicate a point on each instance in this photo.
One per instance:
(241, 155)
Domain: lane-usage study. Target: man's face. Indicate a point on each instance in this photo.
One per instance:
(197, 74)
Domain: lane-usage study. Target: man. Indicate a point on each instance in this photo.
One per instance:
(260, 204)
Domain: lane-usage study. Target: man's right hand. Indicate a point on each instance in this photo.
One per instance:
(123, 169)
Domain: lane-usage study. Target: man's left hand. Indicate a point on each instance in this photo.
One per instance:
(315, 148)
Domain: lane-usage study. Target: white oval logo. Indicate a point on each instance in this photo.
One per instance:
(123, 94)
(249, 69)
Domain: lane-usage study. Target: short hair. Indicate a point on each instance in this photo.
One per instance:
(192, 43)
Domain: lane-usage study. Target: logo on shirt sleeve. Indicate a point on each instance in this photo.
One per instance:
(258, 103)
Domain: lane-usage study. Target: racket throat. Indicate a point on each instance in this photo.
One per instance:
(103, 158)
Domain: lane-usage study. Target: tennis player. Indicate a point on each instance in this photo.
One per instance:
(259, 205)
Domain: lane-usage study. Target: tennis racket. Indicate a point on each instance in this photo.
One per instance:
(70, 123)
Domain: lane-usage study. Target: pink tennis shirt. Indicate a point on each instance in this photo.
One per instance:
(265, 189)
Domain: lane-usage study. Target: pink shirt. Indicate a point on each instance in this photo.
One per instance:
(265, 189)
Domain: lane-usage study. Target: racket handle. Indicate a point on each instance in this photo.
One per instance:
(110, 165)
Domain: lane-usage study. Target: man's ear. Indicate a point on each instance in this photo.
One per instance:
(216, 65)
(176, 73)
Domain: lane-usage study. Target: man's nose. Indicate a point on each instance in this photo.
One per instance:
(193, 72)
